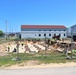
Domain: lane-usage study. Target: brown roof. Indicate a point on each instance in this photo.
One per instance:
(43, 26)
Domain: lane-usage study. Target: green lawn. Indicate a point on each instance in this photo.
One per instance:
(53, 57)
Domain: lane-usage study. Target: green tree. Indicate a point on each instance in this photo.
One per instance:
(1, 33)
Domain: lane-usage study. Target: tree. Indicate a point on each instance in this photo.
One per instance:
(1, 33)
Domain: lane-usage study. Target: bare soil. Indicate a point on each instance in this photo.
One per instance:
(35, 64)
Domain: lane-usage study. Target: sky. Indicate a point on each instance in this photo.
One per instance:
(36, 12)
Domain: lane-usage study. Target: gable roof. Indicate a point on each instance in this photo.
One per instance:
(43, 26)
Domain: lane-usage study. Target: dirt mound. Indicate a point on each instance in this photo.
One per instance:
(29, 63)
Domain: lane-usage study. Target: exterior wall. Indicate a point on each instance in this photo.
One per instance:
(35, 31)
(73, 30)
(35, 34)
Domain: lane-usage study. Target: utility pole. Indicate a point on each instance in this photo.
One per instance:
(71, 42)
(6, 29)
(18, 57)
(45, 46)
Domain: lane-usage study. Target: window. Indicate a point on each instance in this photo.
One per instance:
(49, 34)
(39, 30)
(59, 34)
(49, 30)
(54, 34)
(39, 34)
(44, 30)
(64, 34)
(44, 34)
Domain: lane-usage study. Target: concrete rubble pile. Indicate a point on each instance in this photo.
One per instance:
(37, 46)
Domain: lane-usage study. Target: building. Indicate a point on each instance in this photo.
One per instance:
(40, 31)
(71, 30)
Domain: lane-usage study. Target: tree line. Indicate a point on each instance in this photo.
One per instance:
(2, 34)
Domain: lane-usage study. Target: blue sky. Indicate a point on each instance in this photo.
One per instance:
(52, 12)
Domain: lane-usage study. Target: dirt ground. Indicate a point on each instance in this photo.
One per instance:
(32, 64)
(35, 64)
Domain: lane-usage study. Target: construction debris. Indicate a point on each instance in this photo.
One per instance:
(38, 46)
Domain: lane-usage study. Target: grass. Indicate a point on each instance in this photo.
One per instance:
(54, 57)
